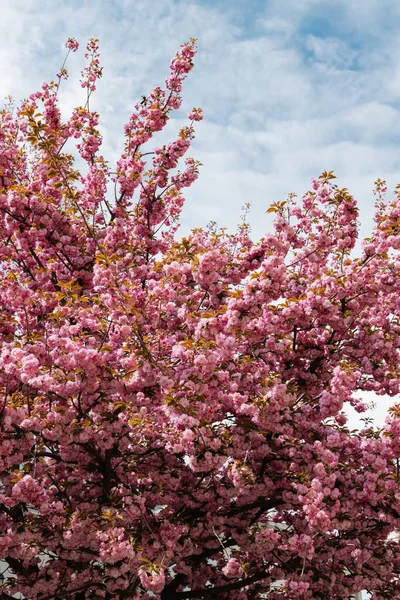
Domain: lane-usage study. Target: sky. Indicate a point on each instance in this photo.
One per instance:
(289, 88)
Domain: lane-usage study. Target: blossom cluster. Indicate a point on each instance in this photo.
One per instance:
(172, 418)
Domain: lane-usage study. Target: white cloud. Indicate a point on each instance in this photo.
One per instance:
(331, 51)
(275, 116)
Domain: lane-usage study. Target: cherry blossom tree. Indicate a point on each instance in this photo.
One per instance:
(172, 420)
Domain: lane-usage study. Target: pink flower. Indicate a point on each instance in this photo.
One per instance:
(233, 568)
(30, 364)
(72, 44)
(196, 114)
(154, 582)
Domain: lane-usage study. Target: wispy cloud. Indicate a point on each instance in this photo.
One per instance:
(288, 89)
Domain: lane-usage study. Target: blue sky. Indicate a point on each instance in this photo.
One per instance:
(289, 88)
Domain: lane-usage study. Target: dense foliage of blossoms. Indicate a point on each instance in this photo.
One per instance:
(172, 419)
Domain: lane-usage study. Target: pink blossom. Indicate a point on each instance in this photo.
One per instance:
(72, 44)
(173, 409)
(154, 582)
(233, 568)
